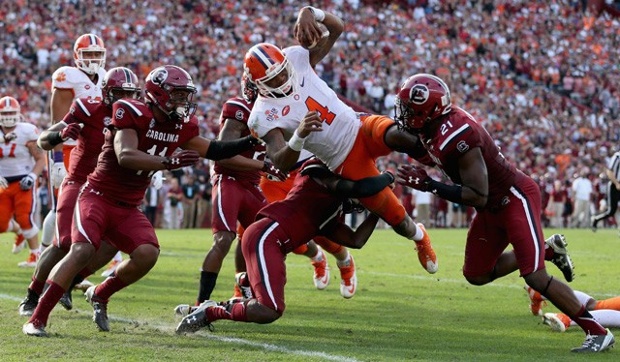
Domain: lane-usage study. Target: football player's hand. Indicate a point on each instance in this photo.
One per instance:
(181, 159)
(28, 181)
(273, 173)
(57, 174)
(9, 137)
(310, 123)
(307, 30)
(72, 131)
(3, 183)
(414, 177)
(157, 180)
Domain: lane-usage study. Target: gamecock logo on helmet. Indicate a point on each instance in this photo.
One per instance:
(160, 76)
(419, 94)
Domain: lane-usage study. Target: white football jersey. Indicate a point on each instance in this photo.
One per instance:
(79, 83)
(340, 123)
(15, 158)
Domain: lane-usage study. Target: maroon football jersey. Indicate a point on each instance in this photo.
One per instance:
(125, 185)
(95, 116)
(307, 209)
(238, 109)
(459, 132)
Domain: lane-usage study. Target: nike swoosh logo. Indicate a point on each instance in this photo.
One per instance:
(303, 80)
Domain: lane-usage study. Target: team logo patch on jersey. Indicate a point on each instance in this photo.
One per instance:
(239, 115)
(61, 77)
(152, 124)
(296, 96)
(178, 126)
(119, 113)
(72, 110)
(462, 146)
(419, 94)
(272, 114)
(87, 87)
(107, 121)
(286, 110)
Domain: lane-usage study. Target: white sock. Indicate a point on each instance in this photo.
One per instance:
(344, 262)
(419, 234)
(608, 318)
(49, 228)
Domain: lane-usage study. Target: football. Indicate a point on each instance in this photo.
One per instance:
(324, 35)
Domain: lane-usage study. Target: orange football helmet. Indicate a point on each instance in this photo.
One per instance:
(89, 53)
(421, 99)
(9, 112)
(264, 62)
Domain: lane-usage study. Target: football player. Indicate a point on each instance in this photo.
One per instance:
(85, 123)
(507, 201)
(142, 138)
(235, 196)
(84, 80)
(297, 110)
(314, 206)
(21, 163)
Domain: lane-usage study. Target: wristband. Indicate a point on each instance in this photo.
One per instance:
(296, 143)
(58, 156)
(319, 15)
(449, 192)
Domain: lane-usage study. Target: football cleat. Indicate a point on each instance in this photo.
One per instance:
(111, 268)
(559, 322)
(20, 242)
(83, 285)
(197, 319)
(100, 309)
(182, 310)
(66, 300)
(348, 279)
(243, 283)
(536, 301)
(30, 329)
(596, 343)
(426, 254)
(31, 262)
(29, 304)
(560, 257)
(321, 272)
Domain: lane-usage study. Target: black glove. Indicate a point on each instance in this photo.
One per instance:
(72, 131)
(28, 181)
(181, 159)
(274, 173)
(414, 177)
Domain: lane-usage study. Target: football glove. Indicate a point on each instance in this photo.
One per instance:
(72, 131)
(414, 177)
(273, 173)
(28, 181)
(181, 159)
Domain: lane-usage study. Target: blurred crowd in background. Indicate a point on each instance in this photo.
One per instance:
(542, 76)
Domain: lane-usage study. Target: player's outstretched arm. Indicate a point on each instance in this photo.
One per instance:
(317, 30)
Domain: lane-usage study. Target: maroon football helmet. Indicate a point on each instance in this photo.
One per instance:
(421, 99)
(172, 90)
(119, 83)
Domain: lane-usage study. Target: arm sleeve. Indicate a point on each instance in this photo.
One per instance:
(365, 187)
(220, 150)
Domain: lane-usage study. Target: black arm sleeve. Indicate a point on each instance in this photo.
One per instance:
(365, 187)
(219, 150)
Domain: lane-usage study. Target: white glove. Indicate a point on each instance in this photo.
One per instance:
(157, 180)
(57, 174)
(3, 183)
(28, 181)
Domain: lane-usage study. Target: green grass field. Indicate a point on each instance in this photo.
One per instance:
(400, 313)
